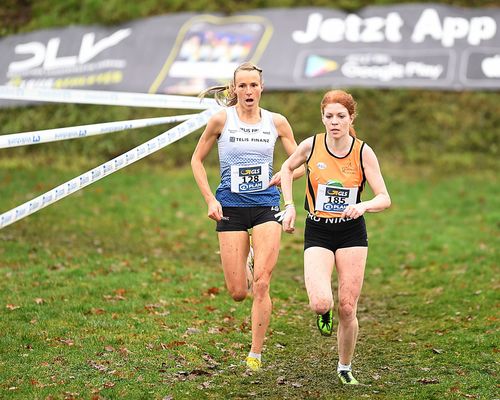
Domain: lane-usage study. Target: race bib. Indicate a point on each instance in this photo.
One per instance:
(249, 178)
(335, 199)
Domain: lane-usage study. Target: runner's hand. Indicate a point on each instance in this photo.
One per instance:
(276, 179)
(354, 211)
(287, 217)
(215, 210)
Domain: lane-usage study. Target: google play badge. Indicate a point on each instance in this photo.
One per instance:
(317, 66)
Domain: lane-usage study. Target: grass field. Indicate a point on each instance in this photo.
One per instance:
(116, 292)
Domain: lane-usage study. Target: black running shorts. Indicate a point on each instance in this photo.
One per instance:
(321, 232)
(244, 218)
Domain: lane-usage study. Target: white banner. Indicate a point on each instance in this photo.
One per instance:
(105, 98)
(109, 167)
(73, 132)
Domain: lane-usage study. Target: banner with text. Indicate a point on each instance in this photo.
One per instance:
(407, 45)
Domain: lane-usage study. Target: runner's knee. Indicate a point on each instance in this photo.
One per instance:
(320, 305)
(260, 287)
(238, 294)
(347, 311)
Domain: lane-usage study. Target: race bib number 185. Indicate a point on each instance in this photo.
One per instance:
(335, 199)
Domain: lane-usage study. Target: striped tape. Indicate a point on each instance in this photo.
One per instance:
(105, 98)
(52, 135)
(109, 167)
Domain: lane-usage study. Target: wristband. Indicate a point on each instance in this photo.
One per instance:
(289, 203)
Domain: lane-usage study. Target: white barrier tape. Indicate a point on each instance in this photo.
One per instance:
(52, 135)
(131, 156)
(105, 98)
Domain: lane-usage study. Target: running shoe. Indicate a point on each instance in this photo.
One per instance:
(325, 323)
(253, 363)
(250, 263)
(346, 378)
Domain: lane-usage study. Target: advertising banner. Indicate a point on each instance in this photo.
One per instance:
(408, 45)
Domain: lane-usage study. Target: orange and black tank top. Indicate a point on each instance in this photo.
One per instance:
(333, 182)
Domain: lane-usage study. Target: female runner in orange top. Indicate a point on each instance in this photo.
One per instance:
(338, 164)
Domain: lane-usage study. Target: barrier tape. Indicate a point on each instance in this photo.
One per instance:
(109, 167)
(105, 98)
(52, 135)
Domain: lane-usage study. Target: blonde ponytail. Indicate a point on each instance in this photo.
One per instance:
(225, 95)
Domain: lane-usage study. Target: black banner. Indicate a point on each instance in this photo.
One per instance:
(407, 45)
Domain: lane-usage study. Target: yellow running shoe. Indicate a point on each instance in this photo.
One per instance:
(346, 378)
(325, 323)
(253, 363)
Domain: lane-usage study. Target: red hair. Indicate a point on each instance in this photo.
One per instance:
(344, 98)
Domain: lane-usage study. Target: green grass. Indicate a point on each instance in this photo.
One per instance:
(117, 292)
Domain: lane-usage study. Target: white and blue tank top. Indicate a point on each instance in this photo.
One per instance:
(246, 162)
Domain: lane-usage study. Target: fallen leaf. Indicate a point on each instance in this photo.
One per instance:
(244, 327)
(68, 342)
(97, 366)
(151, 307)
(11, 307)
(428, 381)
(213, 290)
(175, 343)
(124, 351)
(199, 372)
(113, 298)
(209, 359)
(227, 318)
